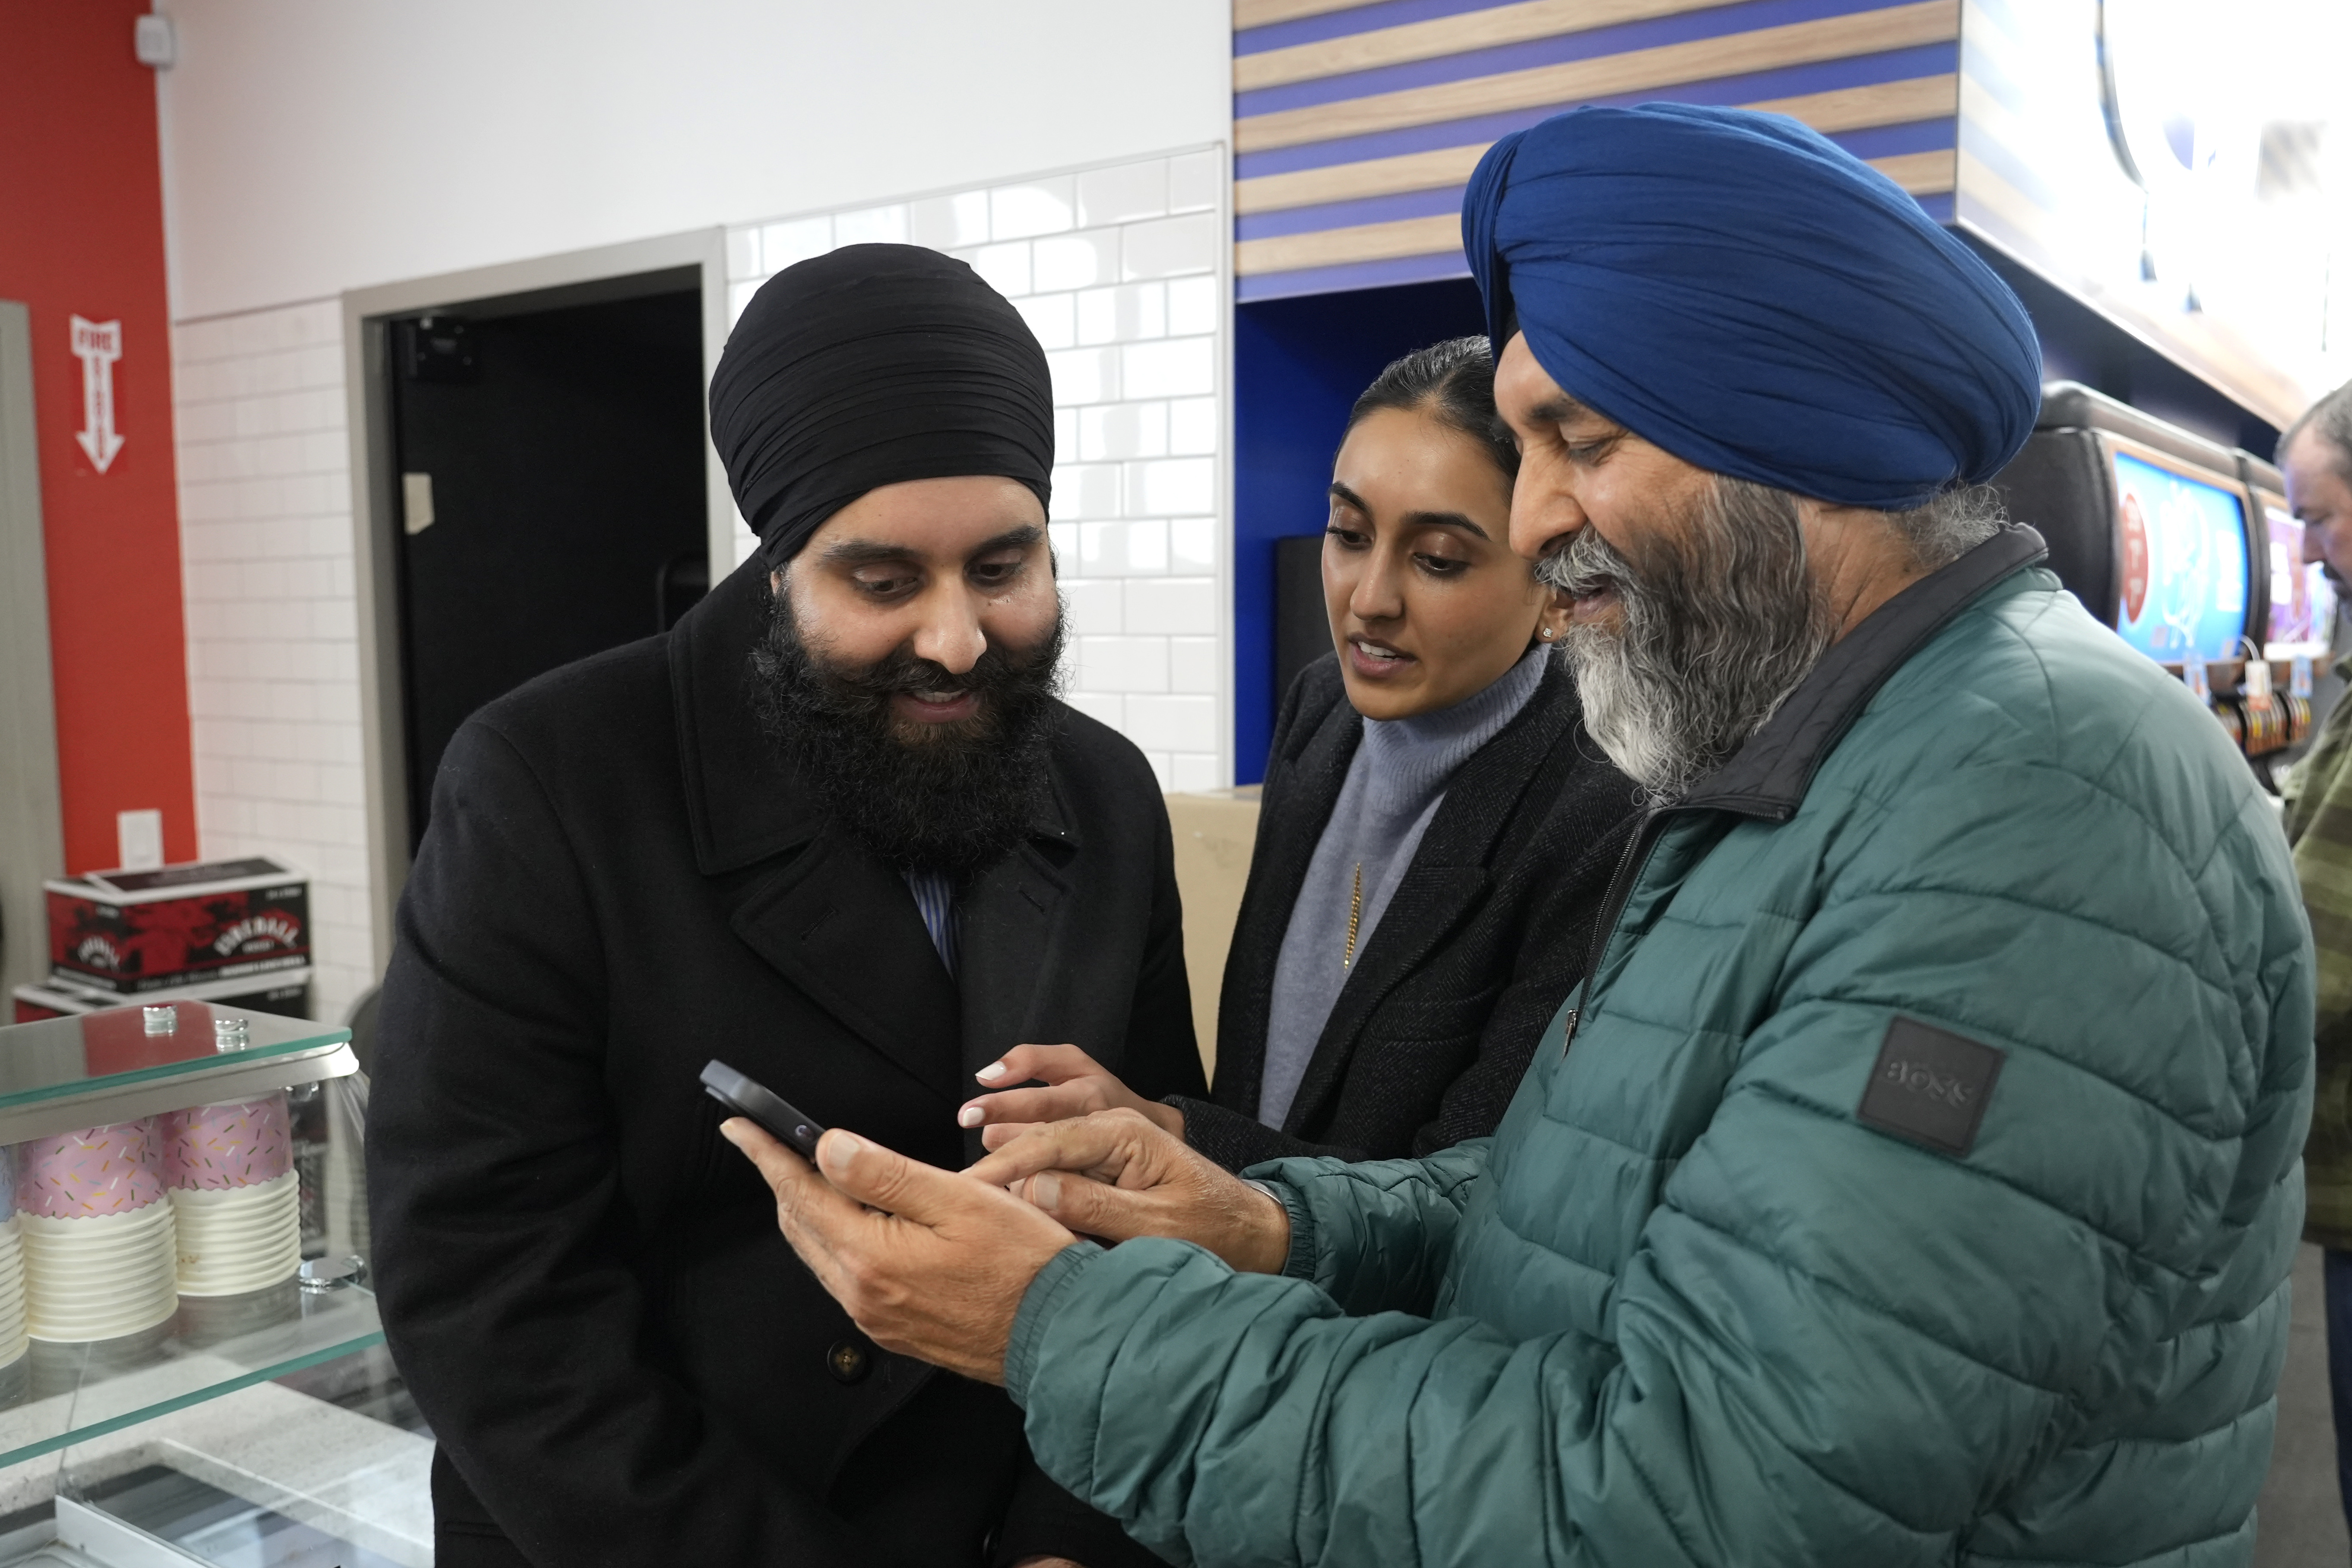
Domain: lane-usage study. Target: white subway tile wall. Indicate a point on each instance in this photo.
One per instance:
(272, 616)
(1118, 271)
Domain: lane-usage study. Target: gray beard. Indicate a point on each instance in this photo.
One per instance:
(1721, 622)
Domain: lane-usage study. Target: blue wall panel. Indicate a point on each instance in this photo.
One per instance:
(1298, 365)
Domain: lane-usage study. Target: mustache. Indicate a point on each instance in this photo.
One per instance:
(1717, 624)
(904, 672)
(1586, 564)
(1002, 673)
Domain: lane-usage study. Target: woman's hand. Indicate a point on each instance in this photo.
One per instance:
(1116, 1175)
(1075, 1084)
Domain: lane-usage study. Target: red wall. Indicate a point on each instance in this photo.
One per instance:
(81, 233)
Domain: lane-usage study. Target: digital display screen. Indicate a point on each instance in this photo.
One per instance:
(2184, 563)
(2302, 601)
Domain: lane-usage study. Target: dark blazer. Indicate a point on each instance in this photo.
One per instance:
(582, 1282)
(1483, 940)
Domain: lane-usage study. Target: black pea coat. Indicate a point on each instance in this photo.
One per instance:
(1484, 939)
(582, 1282)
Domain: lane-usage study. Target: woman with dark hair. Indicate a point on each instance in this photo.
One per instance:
(1436, 835)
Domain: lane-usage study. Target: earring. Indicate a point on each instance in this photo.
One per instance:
(1546, 631)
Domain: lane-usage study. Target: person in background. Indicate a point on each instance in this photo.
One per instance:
(1437, 828)
(2316, 456)
(1913, 1181)
(834, 830)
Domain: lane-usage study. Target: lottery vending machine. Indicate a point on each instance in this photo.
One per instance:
(2171, 539)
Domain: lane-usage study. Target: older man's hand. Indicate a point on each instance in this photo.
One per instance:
(1118, 1176)
(938, 1273)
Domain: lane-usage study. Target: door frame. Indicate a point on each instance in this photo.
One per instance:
(32, 823)
(574, 277)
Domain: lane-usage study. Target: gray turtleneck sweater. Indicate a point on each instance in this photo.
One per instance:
(1394, 785)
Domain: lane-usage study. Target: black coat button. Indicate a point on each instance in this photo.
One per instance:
(848, 1362)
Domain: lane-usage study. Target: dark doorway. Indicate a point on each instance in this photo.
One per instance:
(548, 467)
(1298, 365)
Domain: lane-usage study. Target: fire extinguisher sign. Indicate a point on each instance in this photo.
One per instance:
(98, 344)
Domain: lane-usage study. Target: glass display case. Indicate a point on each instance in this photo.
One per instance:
(192, 1369)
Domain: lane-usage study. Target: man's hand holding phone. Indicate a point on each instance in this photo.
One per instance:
(927, 1262)
(934, 1262)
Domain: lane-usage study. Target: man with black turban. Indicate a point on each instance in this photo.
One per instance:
(836, 831)
(1914, 1180)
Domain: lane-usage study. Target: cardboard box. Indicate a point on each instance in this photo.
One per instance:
(31, 1004)
(1215, 833)
(289, 996)
(132, 933)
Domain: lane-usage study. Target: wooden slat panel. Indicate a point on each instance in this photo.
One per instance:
(1641, 70)
(1352, 182)
(1250, 14)
(1441, 36)
(2007, 203)
(1847, 108)
(1880, 103)
(1366, 242)
(1921, 174)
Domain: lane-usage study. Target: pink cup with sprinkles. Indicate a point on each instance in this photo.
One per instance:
(220, 1146)
(99, 1171)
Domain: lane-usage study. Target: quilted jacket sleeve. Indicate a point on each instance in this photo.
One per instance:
(1829, 1343)
(1376, 1235)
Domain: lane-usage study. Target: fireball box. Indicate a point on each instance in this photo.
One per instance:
(289, 996)
(126, 933)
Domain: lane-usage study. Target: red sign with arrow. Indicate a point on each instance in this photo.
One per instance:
(98, 344)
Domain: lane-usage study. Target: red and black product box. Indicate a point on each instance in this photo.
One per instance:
(128, 934)
(288, 996)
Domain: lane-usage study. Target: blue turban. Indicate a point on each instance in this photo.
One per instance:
(1739, 290)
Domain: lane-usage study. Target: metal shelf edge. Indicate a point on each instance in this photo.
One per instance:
(209, 1084)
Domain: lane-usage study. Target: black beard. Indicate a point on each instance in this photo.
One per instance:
(934, 797)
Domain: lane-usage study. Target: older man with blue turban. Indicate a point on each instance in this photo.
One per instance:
(1915, 1179)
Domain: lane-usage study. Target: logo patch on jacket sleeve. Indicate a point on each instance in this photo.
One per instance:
(1930, 1086)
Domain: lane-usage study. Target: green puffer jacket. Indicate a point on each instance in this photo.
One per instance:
(1743, 1279)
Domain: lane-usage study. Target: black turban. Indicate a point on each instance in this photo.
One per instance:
(867, 366)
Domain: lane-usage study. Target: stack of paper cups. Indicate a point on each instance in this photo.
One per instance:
(237, 1201)
(96, 1234)
(13, 1338)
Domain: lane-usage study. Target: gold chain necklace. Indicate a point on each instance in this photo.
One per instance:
(1355, 918)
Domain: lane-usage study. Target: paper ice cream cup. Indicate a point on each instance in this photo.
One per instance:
(14, 1341)
(282, 1191)
(199, 1243)
(91, 1238)
(71, 1326)
(220, 1221)
(236, 1239)
(82, 1330)
(99, 1276)
(98, 1302)
(245, 1144)
(99, 1171)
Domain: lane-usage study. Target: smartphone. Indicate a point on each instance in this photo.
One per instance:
(745, 1097)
